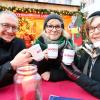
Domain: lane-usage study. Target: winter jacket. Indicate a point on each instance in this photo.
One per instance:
(53, 65)
(91, 81)
(7, 52)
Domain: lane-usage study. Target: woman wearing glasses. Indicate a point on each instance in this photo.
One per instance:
(9, 47)
(50, 69)
(90, 59)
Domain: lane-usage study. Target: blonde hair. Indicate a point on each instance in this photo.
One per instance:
(88, 24)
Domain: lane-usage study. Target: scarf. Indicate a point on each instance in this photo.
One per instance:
(45, 41)
(89, 48)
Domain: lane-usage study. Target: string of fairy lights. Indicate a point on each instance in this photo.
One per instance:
(41, 11)
(38, 11)
(27, 10)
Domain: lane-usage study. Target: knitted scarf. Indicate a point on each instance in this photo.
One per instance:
(61, 41)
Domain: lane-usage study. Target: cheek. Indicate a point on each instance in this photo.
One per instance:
(53, 34)
(47, 31)
(91, 35)
(1, 32)
(59, 33)
(1, 29)
(94, 37)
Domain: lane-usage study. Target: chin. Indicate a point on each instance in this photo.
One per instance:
(8, 40)
(54, 38)
(96, 44)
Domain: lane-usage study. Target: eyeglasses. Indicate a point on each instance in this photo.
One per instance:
(92, 29)
(51, 27)
(7, 26)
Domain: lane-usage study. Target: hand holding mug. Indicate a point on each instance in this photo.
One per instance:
(68, 56)
(21, 59)
(36, 52)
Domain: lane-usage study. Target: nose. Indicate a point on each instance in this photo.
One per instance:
(97, 31)
(54, 29)
(10, 29)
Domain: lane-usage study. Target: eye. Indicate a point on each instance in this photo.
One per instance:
(5, 25)
(57, 26)
(98, 27)
(50, 26)
(91, 29)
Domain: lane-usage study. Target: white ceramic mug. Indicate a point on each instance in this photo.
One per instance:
(68, 56)
(36, 52)
(52, 51)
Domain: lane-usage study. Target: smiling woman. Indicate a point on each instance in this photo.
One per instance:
(93, 27)
(52, 43)
(89, 64)
(53, 29)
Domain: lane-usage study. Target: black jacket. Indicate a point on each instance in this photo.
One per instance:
(90, 84)
(7, 52)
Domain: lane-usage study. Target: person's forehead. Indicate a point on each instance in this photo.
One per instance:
(55, 21)
(96, 20)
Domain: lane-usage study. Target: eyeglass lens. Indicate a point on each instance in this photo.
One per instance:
(51, 27)
(8, 26)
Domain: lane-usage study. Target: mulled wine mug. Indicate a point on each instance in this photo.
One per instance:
(52, 51)
(68, 56)
(36, 52)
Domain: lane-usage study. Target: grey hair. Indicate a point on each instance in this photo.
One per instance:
(9, 13)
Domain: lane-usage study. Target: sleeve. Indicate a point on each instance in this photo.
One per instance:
(58, 75)
(17, 45)
(6, 71)
(89, 85)
(85, 82)
(6, 74)
(82, 60)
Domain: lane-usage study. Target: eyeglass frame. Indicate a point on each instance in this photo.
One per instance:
(8, 26)
(92, 29)
(52, 27)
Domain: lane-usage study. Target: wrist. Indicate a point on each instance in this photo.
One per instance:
(13, 65)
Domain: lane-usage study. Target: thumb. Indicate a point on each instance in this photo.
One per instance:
(24, 51)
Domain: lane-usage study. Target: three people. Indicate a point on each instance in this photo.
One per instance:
(88, 77)
(10, 46)
(87, 74)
